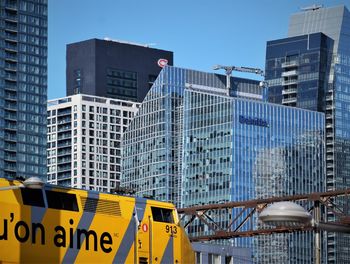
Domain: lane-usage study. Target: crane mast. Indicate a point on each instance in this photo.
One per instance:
(230, 69)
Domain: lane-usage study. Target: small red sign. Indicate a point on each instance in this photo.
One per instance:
(144, 227)
(162, 62)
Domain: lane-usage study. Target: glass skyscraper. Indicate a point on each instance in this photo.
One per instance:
(311, 69)
(23, 88)
(152, 144)
(237, 149)
(192, 144)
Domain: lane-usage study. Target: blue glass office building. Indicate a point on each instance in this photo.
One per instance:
(152, 144)
(237, 149)
(191, 144)
(23, 88)
(311, 69)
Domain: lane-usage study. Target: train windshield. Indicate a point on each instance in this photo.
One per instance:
(162, 215)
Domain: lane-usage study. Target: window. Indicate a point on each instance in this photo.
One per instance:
(162, 215)
(61, 200)
(32, 197)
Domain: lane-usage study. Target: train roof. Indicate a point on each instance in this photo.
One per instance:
(4, 182)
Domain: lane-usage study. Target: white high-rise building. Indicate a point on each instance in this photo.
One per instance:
(84, 140)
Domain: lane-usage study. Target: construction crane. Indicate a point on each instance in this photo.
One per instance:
(230, 69)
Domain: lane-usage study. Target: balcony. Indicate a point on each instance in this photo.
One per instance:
(10, 137)
(9, 96)
(10, 157)
(289, 82)
(10, 86)
(10, 147)
(64, 160)
(10, 57)
(289, 91)
(330, 166)
(10, 66)
(62, 112)
(330, 173)
(289, 100)
(63, 176)
(329, 97)
(63, 168)
(289, 73)
(64, 121)
(11, 6)
(9, 106)
(329, 134)
(12, 47)
(11, 27)
(11, 116)
(12, 77)
(329, 107)
(63, 128)
(11, 16)
(12, 37)
(10, 166)
(64, 136)
(330, 157)
(287, 64)
(329, 142)
(64, 152)
(64, 144)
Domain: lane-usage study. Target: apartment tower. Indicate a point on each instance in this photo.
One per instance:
(23, 88)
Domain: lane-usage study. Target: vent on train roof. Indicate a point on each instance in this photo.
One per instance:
(101, 206)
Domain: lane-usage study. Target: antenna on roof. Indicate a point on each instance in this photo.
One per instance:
(311, 8)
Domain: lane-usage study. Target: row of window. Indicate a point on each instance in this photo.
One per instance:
(114, 113)
(68, 202)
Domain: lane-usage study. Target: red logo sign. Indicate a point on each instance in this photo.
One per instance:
(162, 62)
(144, 227)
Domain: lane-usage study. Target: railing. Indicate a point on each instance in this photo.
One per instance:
(64, 121)
(11, 46)
(64, 144)
(10, 147)
(9, 66)
(289, 91)
(11, 167)
(10, 137)
(64, 152)
(63, 128)
(289, 82)
(289, 100)
(12, 17)
(63, 160)
(11, 27)
(290, 64)
(10, 96)
(11, 57)
(10, 6)
(10, 116)
(11, 106)
(9, 36)
(289, 73)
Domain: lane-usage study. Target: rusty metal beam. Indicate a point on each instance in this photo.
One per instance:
(249, 233)
(256, 202)
(200, 212)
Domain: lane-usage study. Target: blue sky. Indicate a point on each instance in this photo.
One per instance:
(200, 33)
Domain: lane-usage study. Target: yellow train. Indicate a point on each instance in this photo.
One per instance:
(52, 224)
